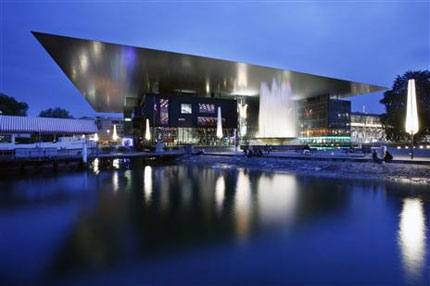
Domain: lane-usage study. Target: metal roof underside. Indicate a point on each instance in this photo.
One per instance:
(113, 77)
(22, 124)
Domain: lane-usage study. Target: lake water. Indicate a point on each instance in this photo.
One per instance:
(199, 225)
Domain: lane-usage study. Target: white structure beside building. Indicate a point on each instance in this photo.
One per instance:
(366, 128)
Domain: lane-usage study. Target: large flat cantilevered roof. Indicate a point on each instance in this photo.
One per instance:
(113, 77)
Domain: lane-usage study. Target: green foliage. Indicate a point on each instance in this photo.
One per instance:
(56, 112)
(10, 106)
(395, 106)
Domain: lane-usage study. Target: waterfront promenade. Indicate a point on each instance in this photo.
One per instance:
(399, 156)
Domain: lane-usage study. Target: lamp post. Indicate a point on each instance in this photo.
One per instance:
(219, 134)
(114, 134)
(147, 131)
(411, 122)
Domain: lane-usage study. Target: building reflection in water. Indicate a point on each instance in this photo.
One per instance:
(147, 184)
(412, 237)
(219, 193)
(277, 197)
(242, 202)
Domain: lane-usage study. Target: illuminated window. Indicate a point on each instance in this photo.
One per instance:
(206, 108)
(164, 111)
(186, 108)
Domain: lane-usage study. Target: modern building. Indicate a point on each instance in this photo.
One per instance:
(366, 128)
(106, 126)
(177, 95)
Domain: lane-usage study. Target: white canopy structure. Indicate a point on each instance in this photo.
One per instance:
(411, 123)
(21, 124)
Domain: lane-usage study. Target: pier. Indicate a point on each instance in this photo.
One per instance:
(46, 160)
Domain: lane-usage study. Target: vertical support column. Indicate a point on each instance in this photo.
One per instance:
(412, 146)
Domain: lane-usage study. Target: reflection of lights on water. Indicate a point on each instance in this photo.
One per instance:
(115, 182)
(96, 165)
(412, 237)
(242, 204)
(276, 197)
(147, 184)
(219, 192)
(115, 163)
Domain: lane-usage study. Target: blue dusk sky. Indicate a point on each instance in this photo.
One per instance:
(365, 41)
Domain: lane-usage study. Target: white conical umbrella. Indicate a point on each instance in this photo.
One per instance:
(411, 123)
(114, 134)
(147, 131)
(219, 125)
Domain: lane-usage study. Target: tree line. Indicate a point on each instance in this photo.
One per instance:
(10, 106)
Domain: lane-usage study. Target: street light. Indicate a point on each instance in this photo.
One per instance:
(219, 125)
(147, 130)
(411, 123)
(114, 133)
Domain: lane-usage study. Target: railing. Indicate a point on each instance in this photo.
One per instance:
(44, 153)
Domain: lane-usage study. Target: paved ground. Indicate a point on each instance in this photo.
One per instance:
(421, 156)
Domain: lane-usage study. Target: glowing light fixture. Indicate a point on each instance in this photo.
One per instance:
(147, 131)
(219, 125)
(411, 123)
(114, 133)
(96, 137)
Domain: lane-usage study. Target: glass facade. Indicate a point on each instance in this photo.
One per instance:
(366, 128)
(186, 108)
(176, 120)
(324, 121)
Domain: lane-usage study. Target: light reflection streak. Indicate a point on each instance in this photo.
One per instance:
(277, 197)
(242, 204)
(412, 237)
(96, 165)
(115, 163)
(115, 182)
(147, 184)
(219, 193)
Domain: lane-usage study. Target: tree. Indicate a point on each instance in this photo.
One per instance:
(56, 112)
(10, 106)
(395, 106)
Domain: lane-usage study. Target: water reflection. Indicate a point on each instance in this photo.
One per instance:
(219, 193)
(412, 237)
(96, 166)
(283, 224)
(277, 197)
(115, 163)
(242, 204)
(147, 184)
(115, 181)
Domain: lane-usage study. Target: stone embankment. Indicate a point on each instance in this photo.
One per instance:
(337, 169)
